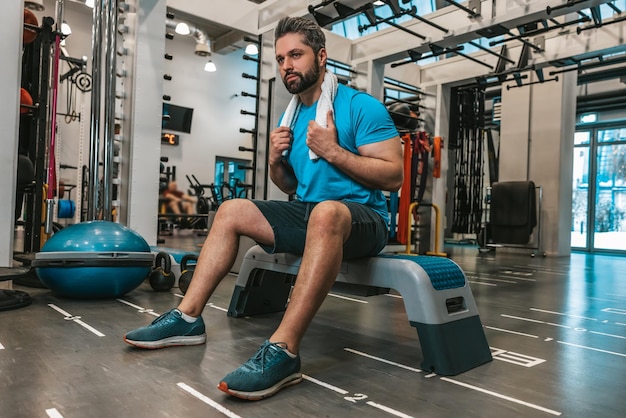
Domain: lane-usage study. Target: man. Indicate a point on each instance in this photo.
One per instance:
(178, 201)
(337, 173)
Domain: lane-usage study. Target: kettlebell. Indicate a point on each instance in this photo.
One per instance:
(161, 278)
(187, 272)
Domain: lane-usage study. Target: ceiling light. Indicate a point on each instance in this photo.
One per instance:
(210, 67)
(65, 29)
(90, 3)
(252, 49)
(182, 29)
(202, 49)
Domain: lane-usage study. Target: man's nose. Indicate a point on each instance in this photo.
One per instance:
(287, 64)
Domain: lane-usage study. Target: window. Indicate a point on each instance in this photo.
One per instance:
(231, 175)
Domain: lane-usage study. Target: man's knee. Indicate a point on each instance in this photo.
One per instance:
(229, 209)
(238, 212)
(330, 217)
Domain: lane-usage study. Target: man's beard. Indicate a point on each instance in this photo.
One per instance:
(304, 81)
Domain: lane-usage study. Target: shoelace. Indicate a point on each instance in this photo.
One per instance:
(260, 355)
(160, 317)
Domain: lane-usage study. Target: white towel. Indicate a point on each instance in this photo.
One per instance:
(324, 104)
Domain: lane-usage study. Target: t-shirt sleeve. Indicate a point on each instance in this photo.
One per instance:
(372, 120)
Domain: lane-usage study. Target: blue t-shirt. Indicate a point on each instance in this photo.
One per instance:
(360, 119)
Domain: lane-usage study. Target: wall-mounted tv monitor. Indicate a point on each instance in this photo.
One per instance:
(177, 118)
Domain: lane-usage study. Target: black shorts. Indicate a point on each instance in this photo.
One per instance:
(289, 221)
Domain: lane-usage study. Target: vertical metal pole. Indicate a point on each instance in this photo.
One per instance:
(111, 20)
(60, 11)
(94, 144)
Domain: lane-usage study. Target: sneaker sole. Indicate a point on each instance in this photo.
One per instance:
(262, 394)
(169, 342)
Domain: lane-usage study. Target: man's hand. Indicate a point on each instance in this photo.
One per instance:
(323, 141)
(280, 172)
(280, 141)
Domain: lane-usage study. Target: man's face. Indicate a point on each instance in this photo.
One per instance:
(299, 66)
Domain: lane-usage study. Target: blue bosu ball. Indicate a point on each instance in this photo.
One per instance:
(94, 260)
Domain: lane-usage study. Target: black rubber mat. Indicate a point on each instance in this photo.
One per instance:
(14, 299)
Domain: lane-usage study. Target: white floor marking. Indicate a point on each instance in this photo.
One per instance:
(534, 320)
(70, 317)
(388, 410)
(347, 298)
(53, 413)
(608, 335)
(512, 332)
(562, 314)
(140, 309)
(520, 278)
(498, 395)
(519, 359)
(537, 269)
(492, 279)
(615, 311)
(484, 284)
(516, 273)
(1, 346)
(219, 308)
(382, 360)
(603, 299)
(324, 384)
(594, 349)
(522, 319)
(207, 400)
(515, 358)
(393, 296)
(454, 381)
(355, 397)
(557, 325)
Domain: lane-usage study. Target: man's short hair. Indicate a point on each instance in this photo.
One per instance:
(312, 34)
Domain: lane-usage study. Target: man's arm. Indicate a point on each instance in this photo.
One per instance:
(280, 172)
(377, 166)
(282, 176)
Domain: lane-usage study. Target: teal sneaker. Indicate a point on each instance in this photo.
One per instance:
(264, 374)
(168, 330)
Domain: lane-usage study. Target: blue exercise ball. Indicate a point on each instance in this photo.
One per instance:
(94, 260)
(96, 236)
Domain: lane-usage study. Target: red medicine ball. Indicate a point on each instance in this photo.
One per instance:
(29, 34)
(25, 99)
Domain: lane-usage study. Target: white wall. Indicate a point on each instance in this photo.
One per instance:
(10, 48)
(217, 102)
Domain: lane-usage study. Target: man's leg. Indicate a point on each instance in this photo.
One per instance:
(184, 326)
(174, 207)
(234, 218)
(328, 228)
(277, 365)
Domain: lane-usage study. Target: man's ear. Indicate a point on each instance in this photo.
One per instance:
(323, 56)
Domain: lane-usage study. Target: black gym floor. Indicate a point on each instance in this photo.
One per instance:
(556, 326)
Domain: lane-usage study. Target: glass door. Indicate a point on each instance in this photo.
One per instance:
(610, 196)
(599, 190)
(580, 190)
